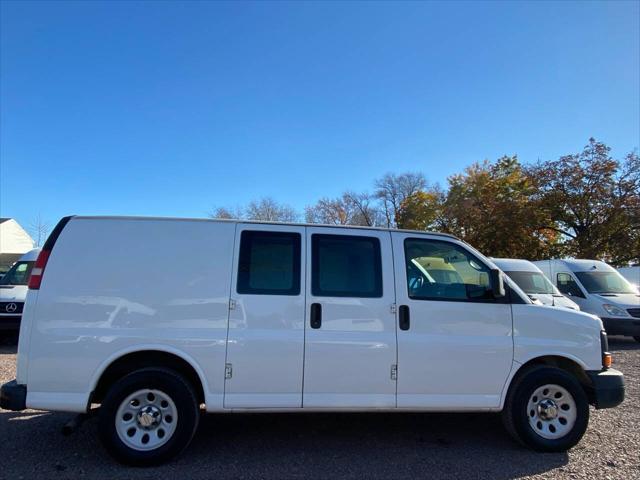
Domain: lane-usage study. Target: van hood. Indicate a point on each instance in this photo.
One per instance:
(554, 300)
(562, 301)
(625, 300)
(13, 293)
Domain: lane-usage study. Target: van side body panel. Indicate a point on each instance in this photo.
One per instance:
(108, 289)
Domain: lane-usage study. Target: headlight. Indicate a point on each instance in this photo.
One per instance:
(613, 310)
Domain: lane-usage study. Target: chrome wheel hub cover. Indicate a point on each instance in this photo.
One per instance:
(551, 411)
(146, 419)
(149, 416)
(547, 409)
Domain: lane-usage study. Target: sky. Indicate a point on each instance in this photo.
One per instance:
(172, 108)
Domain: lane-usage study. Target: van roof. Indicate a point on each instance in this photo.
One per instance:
(257, 222)
(515, 265)
(582, 265)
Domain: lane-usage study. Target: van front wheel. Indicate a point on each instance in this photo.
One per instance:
(148, 417)
(546, 410)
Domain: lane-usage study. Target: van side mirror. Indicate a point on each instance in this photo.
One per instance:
(497, 283)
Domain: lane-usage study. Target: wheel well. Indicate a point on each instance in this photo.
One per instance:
(562, 363)
(149, 358)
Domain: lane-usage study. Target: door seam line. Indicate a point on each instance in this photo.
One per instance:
(226, 346)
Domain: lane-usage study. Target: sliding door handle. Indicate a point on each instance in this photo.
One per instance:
(316, 315)
(404, 317)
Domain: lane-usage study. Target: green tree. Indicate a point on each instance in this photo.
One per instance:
(421, 210)
(594, 202)
(493, 206)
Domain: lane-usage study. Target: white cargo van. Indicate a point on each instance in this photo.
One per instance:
(13, 291)
(533, 282)
(599, 289)
(258, 317)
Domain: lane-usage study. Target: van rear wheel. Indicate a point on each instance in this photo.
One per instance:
(148, 417)
(546, 410)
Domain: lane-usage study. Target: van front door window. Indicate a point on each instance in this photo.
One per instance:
(568, 286)
(443, 271)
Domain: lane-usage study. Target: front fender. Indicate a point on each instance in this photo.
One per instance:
(540, 331)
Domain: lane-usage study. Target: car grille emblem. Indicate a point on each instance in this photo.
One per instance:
(11, 307)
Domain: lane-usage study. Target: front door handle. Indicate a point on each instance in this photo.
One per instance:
(404, 318)
(316, 315)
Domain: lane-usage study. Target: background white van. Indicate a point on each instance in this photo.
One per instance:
(533, 282)
(292, 318)
(13, 291)
(599, 289)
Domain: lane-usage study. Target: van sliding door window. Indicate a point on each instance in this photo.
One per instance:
(438, 270)
(346, 266)
(269, 263)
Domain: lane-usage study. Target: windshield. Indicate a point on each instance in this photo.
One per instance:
(604, 282)
(533, 282)
(18, 274)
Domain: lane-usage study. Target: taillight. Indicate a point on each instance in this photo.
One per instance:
(41, 262)
(38, 269)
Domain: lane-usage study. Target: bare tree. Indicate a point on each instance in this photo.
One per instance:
(393, 189)
(364, 209)
(328, 211)
(39, 230)
(349, 209)
(235, 213)
(267, 209)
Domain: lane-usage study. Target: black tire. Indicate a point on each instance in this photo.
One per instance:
(516, 417)
(170, 383)
(637, 338)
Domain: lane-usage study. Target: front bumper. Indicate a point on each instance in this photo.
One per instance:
(621, 326)
(607, 388)
(13, 396)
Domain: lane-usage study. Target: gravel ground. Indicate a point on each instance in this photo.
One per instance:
(470, 446)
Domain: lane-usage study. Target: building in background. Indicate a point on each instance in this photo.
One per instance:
(14, 242)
